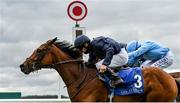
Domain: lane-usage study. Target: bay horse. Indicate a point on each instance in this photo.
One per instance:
(176, 76)
(83, 83)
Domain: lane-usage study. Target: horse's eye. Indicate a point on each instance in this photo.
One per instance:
(38, 51)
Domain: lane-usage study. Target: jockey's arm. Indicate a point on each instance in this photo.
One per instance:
(108, 57)
(92, 58)
(142, 50)
(135, 55)
(109, 54)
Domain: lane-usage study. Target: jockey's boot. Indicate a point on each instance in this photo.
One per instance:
(115, 80)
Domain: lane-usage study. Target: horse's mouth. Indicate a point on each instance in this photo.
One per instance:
(26, 73)
(25, 70)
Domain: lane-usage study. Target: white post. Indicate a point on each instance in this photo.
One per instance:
(77, 30)
(60, 88)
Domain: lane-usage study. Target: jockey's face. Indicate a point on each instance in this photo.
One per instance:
(84, 49)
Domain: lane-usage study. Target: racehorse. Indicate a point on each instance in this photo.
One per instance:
(83, 83)
(176, 76)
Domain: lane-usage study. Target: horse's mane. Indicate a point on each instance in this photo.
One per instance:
(68, 48)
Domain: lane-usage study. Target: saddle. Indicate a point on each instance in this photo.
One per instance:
(133, 82)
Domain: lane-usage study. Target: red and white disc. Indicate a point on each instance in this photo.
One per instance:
(77, 10)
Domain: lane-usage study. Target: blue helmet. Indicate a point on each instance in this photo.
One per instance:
(133, 46)
(81, 40)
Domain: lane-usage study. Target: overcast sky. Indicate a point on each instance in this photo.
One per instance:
(25, 24)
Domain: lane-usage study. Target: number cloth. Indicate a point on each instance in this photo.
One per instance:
(134, 83)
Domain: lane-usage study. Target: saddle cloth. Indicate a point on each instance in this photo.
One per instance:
(133, 82)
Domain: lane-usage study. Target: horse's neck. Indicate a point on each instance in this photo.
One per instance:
(73, 74)
(69, 71)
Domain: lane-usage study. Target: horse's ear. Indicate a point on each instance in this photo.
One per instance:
(53, 40)
(50, 42)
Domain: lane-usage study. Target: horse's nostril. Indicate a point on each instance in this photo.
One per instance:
(21, 66)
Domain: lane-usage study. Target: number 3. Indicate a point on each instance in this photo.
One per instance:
(138, 84)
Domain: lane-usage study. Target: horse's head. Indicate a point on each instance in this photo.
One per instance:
(48, 54)
(40, 57)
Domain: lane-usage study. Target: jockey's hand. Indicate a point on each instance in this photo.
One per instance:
(102, 68)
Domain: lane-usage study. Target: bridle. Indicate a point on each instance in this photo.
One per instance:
(37, 65)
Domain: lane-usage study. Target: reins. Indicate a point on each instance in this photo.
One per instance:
(60, 63)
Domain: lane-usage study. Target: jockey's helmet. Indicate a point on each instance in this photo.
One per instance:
(81, 40)
(133, 46)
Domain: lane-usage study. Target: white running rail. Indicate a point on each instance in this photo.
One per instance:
(34, 100)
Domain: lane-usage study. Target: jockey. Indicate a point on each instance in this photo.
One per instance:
(150, 53)
(106, 53)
